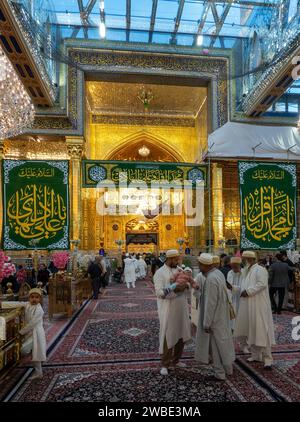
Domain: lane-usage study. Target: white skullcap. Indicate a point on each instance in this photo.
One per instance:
(249, 254)
(172, 253)
(216, 259)
(206, 259)
(188, 269)
(235, 260)
(127, 254)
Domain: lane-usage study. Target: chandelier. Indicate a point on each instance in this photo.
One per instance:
(145, 96)
(16, 107)
(144, 151)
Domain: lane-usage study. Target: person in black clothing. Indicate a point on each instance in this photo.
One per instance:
(153, 264)
(290, 264)
(43, 275)
(52, 268)
(226, 267)
(278, 280)
(123, 257)
(117, 275)
(95, 272)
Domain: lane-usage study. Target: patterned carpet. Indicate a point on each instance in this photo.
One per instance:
(110, 353)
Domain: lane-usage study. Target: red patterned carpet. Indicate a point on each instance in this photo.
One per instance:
(110, 353)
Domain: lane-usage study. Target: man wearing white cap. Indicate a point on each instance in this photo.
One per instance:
(234, 282)
(254, 320)
(173, 312)
(214, 337)
(129, 271)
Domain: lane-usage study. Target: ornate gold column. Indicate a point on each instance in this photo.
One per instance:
(75, 145)
(3, 151)
(217, 202)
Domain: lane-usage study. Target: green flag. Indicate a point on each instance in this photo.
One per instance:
(36, 204)
(268, 205)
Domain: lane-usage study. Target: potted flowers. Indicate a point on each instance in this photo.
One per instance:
(60, 260)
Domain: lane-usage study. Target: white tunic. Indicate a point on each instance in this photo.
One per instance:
(196, 298)
(33, 328)
(236, 281)
(173, 313)
(254, 319)
(214, 314)
(142, 267)
(129, 270)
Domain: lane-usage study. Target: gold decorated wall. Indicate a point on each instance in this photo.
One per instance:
(104, 139)
(167, 141)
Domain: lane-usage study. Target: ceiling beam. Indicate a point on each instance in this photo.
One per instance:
(78, 27)
(128, 19)
(152, 21)
(206, 6)
(84, 17)
(252, 3)
(219, 21)
(177, 21)
(89, 7)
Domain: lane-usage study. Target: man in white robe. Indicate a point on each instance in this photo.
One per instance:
(142, 267)
(129, 271)
(214, 337)
(173, 313)
(254, 320)
(234, 283)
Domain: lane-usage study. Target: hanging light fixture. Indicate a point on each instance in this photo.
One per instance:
(16, 107)
(144, 151)
(145, 96)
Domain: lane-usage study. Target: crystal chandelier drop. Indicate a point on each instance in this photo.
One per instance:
(16, 107)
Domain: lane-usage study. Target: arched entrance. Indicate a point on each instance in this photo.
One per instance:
(143, 232)
(142, 236)
(130, 150)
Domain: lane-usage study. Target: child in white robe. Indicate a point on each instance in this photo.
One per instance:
(35, 338)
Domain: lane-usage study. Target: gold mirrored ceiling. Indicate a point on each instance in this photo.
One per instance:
(111, 98)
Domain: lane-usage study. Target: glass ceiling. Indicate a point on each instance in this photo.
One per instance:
(158, 21)
(255, 30)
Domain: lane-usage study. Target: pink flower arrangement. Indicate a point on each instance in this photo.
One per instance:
(6, 267)
(60, 259)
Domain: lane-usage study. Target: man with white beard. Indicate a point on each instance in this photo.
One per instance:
(173, 313)
(254, 321)
(214, 337)
(129, 271)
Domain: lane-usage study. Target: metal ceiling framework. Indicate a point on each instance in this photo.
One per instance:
(84, 17)
(213, 17)
(208, 5)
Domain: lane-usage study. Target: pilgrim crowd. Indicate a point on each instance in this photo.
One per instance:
(234, 309)
(235, 304)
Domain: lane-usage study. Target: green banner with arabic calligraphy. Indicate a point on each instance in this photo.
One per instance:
(96, 172)
(268, 205)
(36, 204)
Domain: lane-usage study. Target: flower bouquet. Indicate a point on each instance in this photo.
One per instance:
(6, 267)
(60, 260)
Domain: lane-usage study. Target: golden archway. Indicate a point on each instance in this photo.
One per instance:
(159, 151)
